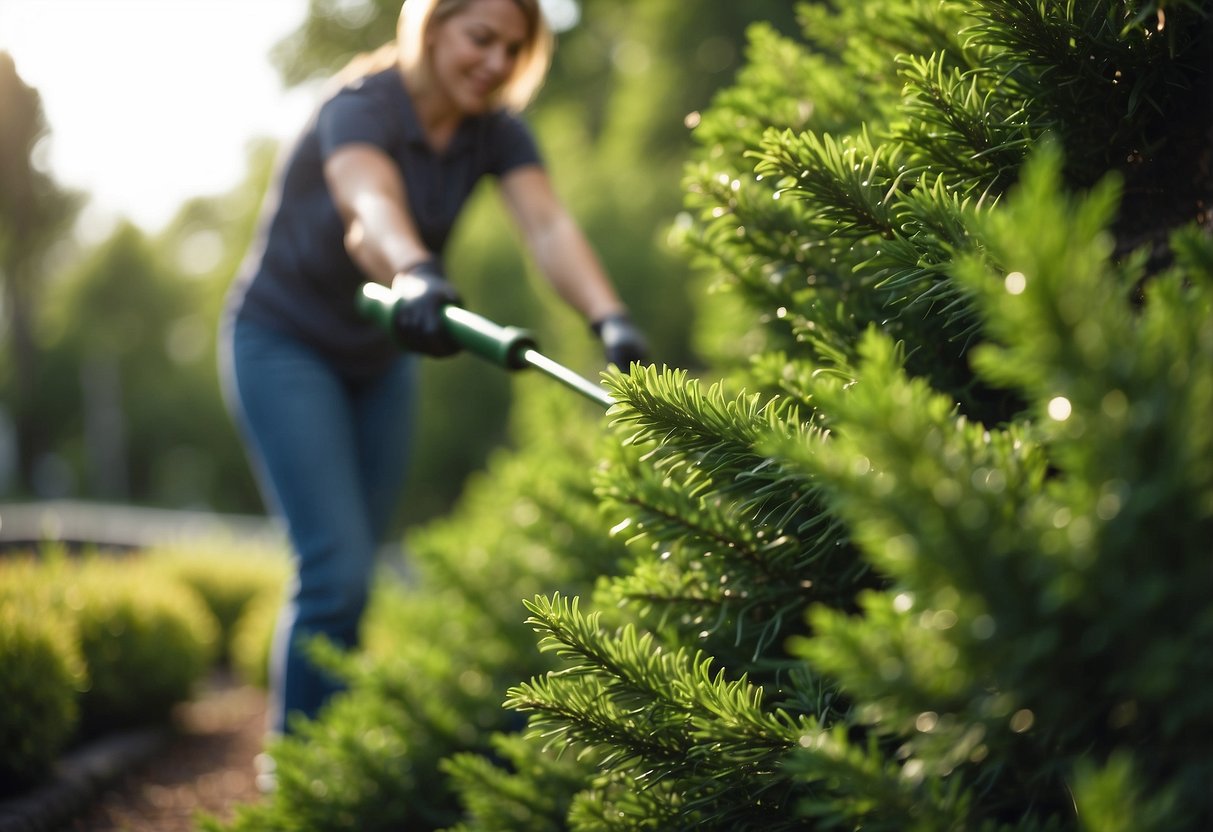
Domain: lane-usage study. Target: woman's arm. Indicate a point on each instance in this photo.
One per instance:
(369, 192)
(557, 244)
(383, 240)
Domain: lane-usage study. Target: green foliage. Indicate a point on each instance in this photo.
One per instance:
(127, 398)
(931, 553)
(124, 342)
(91, 645)
(227, 577)
(1095, 73)
(146, 643)
(332, 32)
(43, 674)
(443, 646)
(977, 422)
(649, 718)
(366, 765)
(1088, 520)
(34, 212)
(499, 791)
(252, 636)
(735, 533)
(1110, 798)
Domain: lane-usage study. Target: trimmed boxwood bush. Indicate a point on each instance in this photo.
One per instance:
(39, 685)
(228, 580)
(252, 636)
(147, 641)
(92, 644)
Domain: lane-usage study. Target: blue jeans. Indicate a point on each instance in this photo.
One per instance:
(330, 455)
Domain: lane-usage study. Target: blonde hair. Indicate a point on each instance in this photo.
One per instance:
(408, 50)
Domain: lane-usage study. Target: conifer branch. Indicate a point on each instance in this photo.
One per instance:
(960, 123)
(642, 705)
(776, 544)
(846, 181)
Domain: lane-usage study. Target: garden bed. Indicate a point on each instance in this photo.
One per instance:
(155, 779)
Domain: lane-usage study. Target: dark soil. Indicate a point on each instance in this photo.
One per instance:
(206, 766)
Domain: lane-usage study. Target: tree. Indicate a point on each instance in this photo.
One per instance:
(34, 211)
(926, 548)
(917, 577)
(128, 398)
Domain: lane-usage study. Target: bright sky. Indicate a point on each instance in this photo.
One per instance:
(151, 102)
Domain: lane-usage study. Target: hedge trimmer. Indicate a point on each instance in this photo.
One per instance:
(505, 346)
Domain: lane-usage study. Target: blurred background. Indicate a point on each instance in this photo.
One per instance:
(137, 138)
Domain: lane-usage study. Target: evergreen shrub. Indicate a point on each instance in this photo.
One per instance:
(147, 641)
(442, 647)
(41, 680)
(252, 637)
(931, 553)
(227, 578)
(928, 550)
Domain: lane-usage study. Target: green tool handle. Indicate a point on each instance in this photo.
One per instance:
(505, 346)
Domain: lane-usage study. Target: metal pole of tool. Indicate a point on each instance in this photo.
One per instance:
(567, 377)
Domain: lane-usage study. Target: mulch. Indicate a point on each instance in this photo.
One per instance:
(205, 765)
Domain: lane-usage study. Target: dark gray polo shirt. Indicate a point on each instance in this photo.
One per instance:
(298, 278)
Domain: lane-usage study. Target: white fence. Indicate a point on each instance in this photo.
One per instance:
(27, 525)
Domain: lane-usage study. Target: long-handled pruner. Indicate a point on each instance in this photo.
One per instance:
(505, 346)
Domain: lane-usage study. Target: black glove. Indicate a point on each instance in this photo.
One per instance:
(622, 341)
(417, 320)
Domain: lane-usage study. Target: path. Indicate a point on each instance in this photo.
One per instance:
(206, 765)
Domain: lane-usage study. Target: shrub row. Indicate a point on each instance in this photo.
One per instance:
(94, 644)
(441, 649)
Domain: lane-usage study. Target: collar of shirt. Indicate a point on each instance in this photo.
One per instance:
(414, 134)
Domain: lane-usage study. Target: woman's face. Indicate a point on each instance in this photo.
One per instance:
(474, 52)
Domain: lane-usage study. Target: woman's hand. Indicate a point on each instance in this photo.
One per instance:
(417, 320)
(622, 341)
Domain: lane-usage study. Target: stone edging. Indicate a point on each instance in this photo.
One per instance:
(77, 779)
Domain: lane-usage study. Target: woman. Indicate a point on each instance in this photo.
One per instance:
(370, 192)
